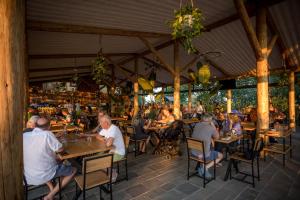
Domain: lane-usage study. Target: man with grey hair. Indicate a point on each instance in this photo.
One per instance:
(113, 137)
(206, 131)
(40, 162)
(31, 123)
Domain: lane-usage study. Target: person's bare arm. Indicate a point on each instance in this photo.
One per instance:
(96, 129)
(109, 141)
(99, 137)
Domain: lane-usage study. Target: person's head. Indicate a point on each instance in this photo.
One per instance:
(105, 122)
(31, 123)
(166, 112)
(206, 117)
(43, 123)
(100, 115)
(65, 112)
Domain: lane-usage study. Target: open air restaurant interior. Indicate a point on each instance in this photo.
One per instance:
(148, 99)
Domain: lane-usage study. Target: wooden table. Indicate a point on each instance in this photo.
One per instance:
(57, 129)
(76, 146)
(229, 140)
(118, 119)
(279, 148)
(157, 132)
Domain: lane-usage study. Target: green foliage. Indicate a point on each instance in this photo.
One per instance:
(99, 69)
(187, 25)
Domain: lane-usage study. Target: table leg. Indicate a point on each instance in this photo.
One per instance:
(291, 145)
(283, 155)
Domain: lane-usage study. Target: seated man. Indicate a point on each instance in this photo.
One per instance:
(112, 135)
(206, 131)
(98, 128)
(31, 123)
(40, 164)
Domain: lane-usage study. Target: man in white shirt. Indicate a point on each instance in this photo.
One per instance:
(40, 164)
(112, 136)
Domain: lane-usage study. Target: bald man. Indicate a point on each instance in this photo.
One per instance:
(40, 162)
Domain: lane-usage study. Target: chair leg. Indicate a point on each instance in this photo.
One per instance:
(252, 166)
(59, 187)
(118, 168)
(100, 192)
(83, 194)
(258, 176)
(135, 148)
(111, 191)
(126, 169)
(188, 170)
(204, 175)
(214, 169)
(230, 166)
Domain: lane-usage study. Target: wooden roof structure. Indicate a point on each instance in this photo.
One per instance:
(65, 36)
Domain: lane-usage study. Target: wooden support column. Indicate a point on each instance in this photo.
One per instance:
(163, 94)
(262, 69)
(189, 97)
(136, 90)
(259, 43)
(12, 72)
(229, 101)
(292, 100)
(176, 81)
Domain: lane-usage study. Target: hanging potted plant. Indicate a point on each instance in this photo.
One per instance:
(187, 25)
(99, 68)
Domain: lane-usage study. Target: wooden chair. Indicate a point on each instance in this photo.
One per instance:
(28, 188)
(195, 144)
(96, 172)
(130, 130)
(126, 142)
(249, 159)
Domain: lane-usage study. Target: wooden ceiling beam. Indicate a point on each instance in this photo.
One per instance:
(246, 22)
(282, 48)
(159, 57)
(58, 76)
(58, 56)
(70, 28)
(59, 68)
(161, 66)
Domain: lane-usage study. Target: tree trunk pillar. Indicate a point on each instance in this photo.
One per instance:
(163, 95)
(229, 101)
(176, 81)
(189, 97)
(136, 90)
(292, 100)
(262, 70)
(12, 73)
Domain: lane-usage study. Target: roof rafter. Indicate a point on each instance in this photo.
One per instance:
(70, 28)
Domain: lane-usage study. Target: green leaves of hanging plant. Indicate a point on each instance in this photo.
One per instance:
(187, 25)
(99, 69)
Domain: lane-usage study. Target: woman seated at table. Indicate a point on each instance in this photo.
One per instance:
(167, 117)
(236, 124)
(140, 134)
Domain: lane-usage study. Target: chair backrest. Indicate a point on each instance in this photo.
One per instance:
(130, 130)
(248, 125)
(258, 146)
(96, 163)
(195, 144)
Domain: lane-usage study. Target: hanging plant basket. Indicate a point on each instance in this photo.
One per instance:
(187, 25)
(99, 68)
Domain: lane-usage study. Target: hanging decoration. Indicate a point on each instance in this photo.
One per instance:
(99, 65)
(187, 25)
(202, 75)
(283, 77)
(99, 68)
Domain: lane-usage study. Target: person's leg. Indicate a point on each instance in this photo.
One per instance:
(214, 155)
(64, 181)
(50, 185)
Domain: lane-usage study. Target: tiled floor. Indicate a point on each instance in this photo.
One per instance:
(155, 177)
